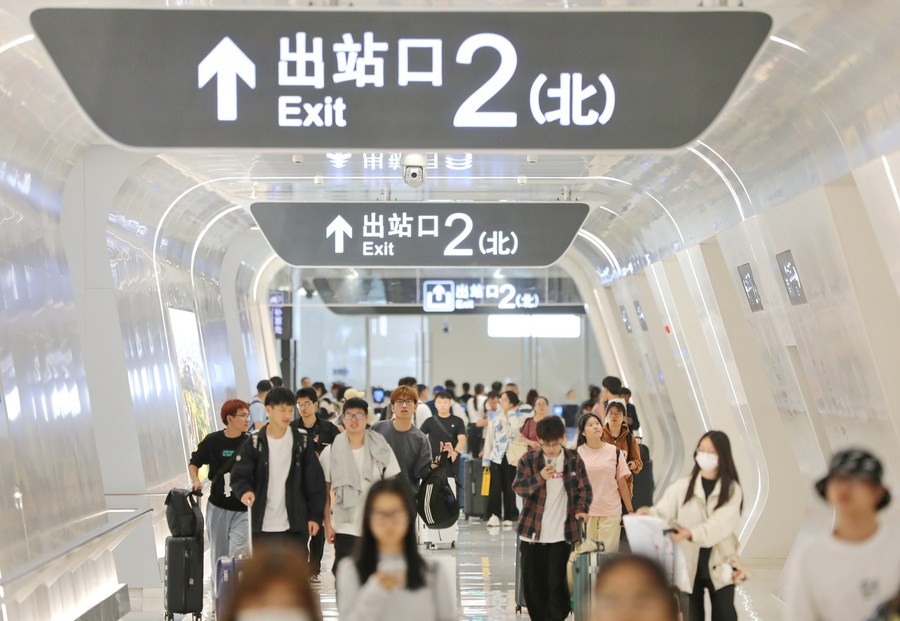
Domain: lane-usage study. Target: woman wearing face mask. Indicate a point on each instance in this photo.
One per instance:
(388, 579)
(705, 509)
(274, 586)
(633, 588)
(608, 472)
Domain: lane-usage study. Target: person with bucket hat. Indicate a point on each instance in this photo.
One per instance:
(846, 574)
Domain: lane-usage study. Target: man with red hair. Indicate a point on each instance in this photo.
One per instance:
(226, 515)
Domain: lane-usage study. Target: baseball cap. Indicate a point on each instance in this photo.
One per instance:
(858, 464)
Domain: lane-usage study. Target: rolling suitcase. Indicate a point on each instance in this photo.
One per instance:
(643, 481)
(475, 504)
(228, 571)
(520, 582)
(584, 574)
(437, 508)
(183, 583)
(461, 479)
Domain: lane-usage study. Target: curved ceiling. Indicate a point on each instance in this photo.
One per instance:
(820, 98)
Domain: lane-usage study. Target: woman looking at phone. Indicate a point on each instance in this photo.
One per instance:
(388, 579)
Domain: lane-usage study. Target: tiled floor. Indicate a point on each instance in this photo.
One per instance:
(486, 581)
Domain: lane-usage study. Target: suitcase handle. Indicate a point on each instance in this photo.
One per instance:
(250, 530)
(583, 536)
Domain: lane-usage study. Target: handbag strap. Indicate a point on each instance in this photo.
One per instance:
(226, 468)
(446, 431)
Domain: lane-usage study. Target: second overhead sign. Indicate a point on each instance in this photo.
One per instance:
(395, 234)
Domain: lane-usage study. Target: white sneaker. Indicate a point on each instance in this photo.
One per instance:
(494, 521)
(507, 523)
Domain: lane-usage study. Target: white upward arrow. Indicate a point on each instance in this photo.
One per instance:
(339, 227)
(228, 62)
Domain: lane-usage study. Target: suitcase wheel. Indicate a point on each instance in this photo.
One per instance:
(518, 610)
(170, 616)
(453, 545)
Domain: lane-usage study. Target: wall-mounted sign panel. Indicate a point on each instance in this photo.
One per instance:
(639, 311)
(791, 278)
(586, 80)
(280, 314)
(396, 234)
(625, 319)
(748, 282)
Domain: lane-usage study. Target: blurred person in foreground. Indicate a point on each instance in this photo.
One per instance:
(274, 586)
(847, 573)
(633, 588)
(387, 579)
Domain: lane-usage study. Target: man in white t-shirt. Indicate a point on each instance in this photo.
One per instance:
(353, 462)
(278, 475)
(846, 574)
(556, 491)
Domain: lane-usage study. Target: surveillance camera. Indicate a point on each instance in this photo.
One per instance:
(297, 158)
(414, 169)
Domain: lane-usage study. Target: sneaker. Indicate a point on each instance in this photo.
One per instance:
(315, 579)
(494, 521)
(507, 523)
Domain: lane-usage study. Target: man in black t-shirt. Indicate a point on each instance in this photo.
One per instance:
(446, 432)
(321, 433)
(226, 515)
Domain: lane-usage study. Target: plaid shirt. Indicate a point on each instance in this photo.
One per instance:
(533, 489)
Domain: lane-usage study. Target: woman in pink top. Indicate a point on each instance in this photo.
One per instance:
(608, 472)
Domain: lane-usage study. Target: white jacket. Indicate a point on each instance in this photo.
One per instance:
(710, 527)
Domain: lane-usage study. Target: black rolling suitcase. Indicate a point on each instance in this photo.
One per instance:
(520, 582)
(475, 505)
(183, 579)
(184, 576)
(643, 481)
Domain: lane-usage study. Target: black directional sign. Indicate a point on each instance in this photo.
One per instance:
(586, 80)
(395, 234)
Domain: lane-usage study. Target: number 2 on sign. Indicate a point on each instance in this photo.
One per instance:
(469, 113)
(508, 292)
(452, 249)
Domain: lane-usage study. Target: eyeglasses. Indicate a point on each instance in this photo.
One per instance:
(244, 416)
(638, 602)
(304, 404)
(387, 516)
(355, 416)
(402, 402)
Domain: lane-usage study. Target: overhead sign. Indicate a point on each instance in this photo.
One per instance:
(386, 294)
(446, 296)
(439, 234)
(586, 80)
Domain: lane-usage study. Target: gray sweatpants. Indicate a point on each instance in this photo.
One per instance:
(227, 532)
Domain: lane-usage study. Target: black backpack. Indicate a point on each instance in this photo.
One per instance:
(435, 502)
(183, 513)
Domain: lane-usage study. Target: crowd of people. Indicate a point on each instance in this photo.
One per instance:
(316, 466)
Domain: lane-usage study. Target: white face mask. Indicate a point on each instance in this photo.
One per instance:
(707, 461)
(273, 614)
